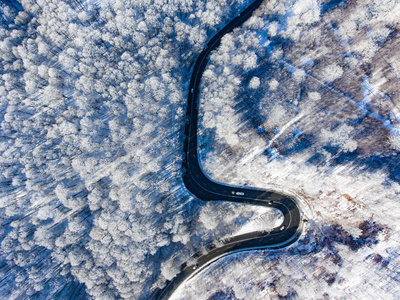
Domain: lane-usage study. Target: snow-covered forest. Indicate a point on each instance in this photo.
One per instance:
(305, 99)
(92, 103)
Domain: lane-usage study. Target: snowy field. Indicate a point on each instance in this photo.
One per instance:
(304, 99)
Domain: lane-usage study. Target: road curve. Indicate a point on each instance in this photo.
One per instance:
(200, 185)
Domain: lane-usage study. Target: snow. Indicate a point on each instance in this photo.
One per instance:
(322, 130)
(92, 110)
(254, 83)
(273, 84)
(332, 72)
(92, 107)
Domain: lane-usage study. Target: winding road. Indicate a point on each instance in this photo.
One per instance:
(204, 188)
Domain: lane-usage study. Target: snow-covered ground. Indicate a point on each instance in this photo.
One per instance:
(306, 102)
(303, 99)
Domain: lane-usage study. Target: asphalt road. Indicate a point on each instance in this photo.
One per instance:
(204, 188)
